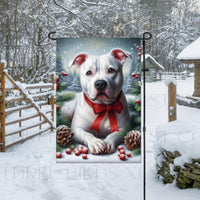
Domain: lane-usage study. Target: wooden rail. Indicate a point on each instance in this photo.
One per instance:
(29, 137)
(12, 132)
(20, 119)
(14, 109)
(175, 75)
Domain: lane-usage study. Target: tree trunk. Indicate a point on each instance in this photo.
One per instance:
(196, 80)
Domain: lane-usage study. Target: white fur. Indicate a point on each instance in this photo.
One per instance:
(83, 115)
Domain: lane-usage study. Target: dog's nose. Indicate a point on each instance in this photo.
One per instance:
(100, 84)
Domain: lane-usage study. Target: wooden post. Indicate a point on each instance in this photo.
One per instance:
(196, 80)
(2, 108)
(52, 100)
(172, 102)
(160, 76)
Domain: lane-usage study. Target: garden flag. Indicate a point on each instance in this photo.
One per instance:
(98, 100)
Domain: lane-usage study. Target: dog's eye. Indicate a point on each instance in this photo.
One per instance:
(111, 70)
(89, 72)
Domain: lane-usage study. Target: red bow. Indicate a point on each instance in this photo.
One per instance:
(101, 110)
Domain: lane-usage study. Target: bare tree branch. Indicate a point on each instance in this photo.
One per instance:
(42, 6)
(69, 11)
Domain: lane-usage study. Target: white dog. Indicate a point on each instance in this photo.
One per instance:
(100, 112)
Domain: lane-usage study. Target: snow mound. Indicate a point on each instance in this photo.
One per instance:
(179, 136)
(169, 81)
(3, 61)
(191, 52)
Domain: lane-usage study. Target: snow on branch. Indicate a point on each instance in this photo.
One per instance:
(42, 6)
(169, 81)
(92, 3)
(72, 13)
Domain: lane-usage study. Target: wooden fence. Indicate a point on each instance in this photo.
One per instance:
(175, 75)
(18, 99)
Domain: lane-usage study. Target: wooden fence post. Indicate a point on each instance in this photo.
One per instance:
(2, 108)
(52, 99)
(172, 102)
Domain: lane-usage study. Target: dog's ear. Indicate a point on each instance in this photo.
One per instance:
(120, 55)
(79, 59)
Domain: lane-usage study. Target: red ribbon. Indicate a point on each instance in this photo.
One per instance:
(101, 110)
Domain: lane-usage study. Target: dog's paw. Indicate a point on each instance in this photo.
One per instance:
(96, 146)
(110, 146)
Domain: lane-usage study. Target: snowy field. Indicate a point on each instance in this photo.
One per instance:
(29, 171)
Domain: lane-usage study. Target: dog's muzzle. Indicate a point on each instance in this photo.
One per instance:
(100, 85)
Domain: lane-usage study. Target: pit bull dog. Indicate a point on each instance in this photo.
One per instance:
(100, 112)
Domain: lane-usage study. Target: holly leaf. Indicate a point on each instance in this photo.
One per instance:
(136, 151)
(59, 148)
(126, 129)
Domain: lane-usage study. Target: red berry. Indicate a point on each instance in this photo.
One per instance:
(68, 151)
(137, 101)
(85, 150)
(136, 76)
(122, 151)
(57, 79)
(57, 86)
(80, 151)
(120, 147)
(133, 74)
(80, 148)
(77, 153)
(84, 156)
(122, 156)
(119, 154)
(75, 150)
(128, 154)
(58, 155)
(139, 49)
(139, 54)
(138, 73)
(57, 107)
(64, 73)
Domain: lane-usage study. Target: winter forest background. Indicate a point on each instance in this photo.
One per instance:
(25, 25)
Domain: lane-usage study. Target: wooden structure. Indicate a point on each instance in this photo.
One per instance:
(154, 68)
(172, 102)
(191, 55)
(26, 100)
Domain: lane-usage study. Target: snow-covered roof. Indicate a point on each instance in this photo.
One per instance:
(148, 56)
(191, 53)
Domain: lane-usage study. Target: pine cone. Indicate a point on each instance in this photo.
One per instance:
(132, 140)
(64, 136)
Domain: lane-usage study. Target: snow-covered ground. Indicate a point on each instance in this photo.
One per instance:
(157, 112)
(29, 171)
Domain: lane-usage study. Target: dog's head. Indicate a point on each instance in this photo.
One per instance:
(101, 77)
